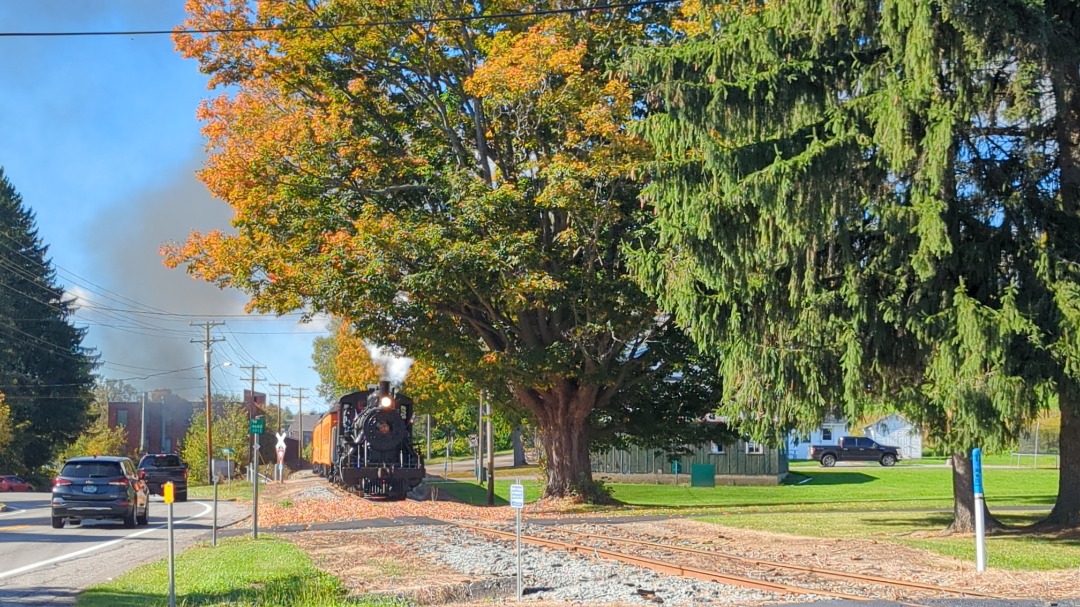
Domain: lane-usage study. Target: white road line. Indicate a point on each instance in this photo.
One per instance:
(79, 553)
(13, 510)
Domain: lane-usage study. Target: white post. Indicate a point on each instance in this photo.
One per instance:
(518, 553)
(1036, 465)
(517, 502)
(980, 507)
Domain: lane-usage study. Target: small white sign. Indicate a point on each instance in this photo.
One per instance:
(280, 440)
(517, 496)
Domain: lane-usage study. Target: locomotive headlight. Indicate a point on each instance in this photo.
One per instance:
(386, 402)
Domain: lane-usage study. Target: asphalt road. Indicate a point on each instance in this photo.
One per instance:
(42, 566)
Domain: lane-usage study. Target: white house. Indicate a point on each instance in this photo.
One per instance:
(828, 433)
(896, 431)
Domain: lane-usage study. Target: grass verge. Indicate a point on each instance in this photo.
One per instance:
(240, 572)
(232, 490)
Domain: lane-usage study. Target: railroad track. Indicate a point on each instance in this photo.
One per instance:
(870, 587)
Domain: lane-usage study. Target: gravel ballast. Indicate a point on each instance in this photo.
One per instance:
(562, 576)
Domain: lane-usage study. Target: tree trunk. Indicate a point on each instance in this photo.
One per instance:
(519, 449)
(562, 415)
(1066, 512)
(964, 498)
(1066, 86)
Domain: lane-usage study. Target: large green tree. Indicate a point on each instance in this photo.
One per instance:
(44, 369)
(452, 181)
(867, 204)
(229, 431)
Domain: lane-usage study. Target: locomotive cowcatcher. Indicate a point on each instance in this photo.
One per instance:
(365, 443)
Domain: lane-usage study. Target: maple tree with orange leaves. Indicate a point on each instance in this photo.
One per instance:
(458, 189)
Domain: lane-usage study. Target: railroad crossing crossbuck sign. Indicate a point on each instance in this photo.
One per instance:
(280, 448)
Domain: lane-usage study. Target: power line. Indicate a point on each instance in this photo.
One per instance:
(334, 26)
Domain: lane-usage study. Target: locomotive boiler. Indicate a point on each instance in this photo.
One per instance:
(365, 444)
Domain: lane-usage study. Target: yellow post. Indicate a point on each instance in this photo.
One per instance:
(167, 491)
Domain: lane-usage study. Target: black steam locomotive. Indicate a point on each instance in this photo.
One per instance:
(365, 444)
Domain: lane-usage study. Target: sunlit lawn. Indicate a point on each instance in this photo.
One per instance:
(864, 487)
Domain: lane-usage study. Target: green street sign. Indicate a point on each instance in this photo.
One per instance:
(227, 451)
(257, 426)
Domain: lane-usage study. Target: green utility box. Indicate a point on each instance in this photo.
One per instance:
(702, 475)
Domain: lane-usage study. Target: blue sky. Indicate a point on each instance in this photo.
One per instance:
(99, 136)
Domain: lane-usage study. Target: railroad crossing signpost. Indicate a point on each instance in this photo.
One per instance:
(256, 426)
(280, 456)
(517, 502)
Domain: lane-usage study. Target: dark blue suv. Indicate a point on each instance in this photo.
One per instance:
(99, 487)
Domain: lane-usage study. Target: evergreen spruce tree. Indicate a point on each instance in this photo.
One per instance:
(45, 370)
(869, 204)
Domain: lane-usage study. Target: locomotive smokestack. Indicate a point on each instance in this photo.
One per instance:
(384, 386)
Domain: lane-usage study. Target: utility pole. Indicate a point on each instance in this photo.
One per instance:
(491, 455)
(251, 409)
(142, 426)
(279, 387)
(207, 342)
(300, 420)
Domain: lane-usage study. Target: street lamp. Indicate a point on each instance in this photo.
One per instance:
(210, 418)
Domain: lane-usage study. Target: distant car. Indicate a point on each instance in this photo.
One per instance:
(853, 449)
(156, 469)
(14, 483)
(99, 487)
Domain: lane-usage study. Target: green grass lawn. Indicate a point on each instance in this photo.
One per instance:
(240, 572)
(808, 489)
(231, 490)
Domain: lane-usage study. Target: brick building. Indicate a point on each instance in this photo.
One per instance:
(168, 418)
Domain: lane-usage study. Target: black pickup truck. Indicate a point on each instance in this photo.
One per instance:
(854, 449)
(156, 469)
